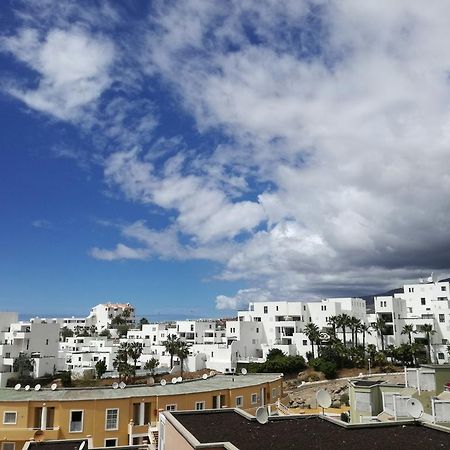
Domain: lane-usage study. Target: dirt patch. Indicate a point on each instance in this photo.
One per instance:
(302, 395)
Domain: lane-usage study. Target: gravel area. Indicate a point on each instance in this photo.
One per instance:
(304, 395)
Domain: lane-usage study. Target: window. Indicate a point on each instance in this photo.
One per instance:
(112, 419)
(422, 301)
(441, 355)
(199, 406)
(266, 309)
(323, 307)
(254, 399)
(9, 417)
(443, 288)
(46, 342)
(276, 308)
(239, 401)
(112, 442)
(257, 330)
(171, 407)
(8, 446)
(305, 342)
(411, 289)
(76, 421)
(441, 318)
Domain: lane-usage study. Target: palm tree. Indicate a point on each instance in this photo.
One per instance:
(182, 352)
(409, 330)
(120, 362)
(364, 328)
(134, 350)
(380, 327)
(312, 332)
(343, 322)
(428, 330)
(333, 322)
(171, 345)
(354, 324)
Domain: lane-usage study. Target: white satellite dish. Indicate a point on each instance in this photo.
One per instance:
(37, 387)
(27, 387)
(414, 408)
(323, 398)
(163, 382)
(53, 387)
(115, 385)
(180, 379)
(122, 385)
(205, 376)
(17, 386)
(262, 415)
(244, 371)
(174, 380)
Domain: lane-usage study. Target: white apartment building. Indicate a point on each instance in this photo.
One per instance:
(102, 314)
(38, 338)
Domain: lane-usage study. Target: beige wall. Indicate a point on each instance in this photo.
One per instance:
(94, 413)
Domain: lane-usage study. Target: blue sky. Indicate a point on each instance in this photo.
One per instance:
(192, 156)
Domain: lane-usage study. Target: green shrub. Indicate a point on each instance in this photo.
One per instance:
(329, 369)
(66, 378)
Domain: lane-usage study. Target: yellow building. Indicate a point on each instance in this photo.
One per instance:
(112, 417)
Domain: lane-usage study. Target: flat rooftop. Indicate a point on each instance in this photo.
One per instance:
(308, 432)
(213, 383)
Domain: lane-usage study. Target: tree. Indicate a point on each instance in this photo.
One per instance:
(312, 332)
(120, 362)
(182, 352)
(343, 323)
(409, 330)
(65, 333)
(134, 350)
(365, 329)
(23, 365)
(333, 322)
(380, 327)
(151, 365)
(354, 324)
(106, 333)
(274, 353)
(428, 330)
(100, 368)
(171, 345)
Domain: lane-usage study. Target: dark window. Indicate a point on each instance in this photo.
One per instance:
(422, 301)
(266, 309)
(443, 288)
(441, 355)
(441, 318)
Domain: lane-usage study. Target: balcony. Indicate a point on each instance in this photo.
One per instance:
(25, 434)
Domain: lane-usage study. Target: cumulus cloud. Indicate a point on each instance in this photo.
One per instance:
(328, 169)
(242, 298)
(73, 68)
(121, 251)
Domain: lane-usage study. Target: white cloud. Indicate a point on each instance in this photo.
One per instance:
(73, 67)
(242, 298)
(204, 212)
(121, 251)
(42, 223)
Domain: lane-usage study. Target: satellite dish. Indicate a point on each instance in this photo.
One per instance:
(414, 408)
(323, 398)
(244, 371)
(37, 387)
(174, 380)
(17, 386)
(122, 385)
(53, 387)
(204, 376)
(115, 385)
(180, 379)
(27, 387)
(163, 382)
(262, 415)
